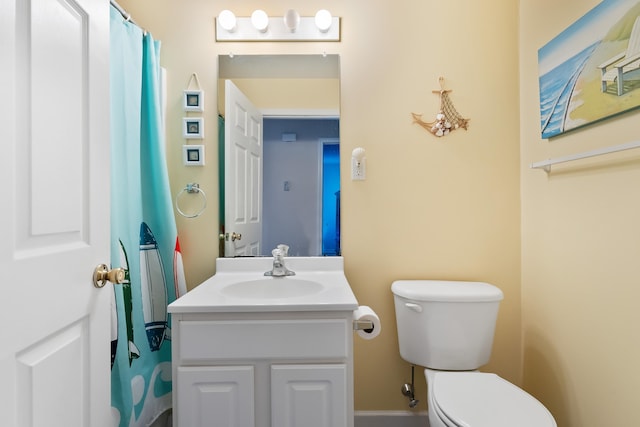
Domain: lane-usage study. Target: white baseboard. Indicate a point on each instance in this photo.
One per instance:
(391, 419)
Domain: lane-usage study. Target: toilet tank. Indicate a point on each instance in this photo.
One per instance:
(446, 325)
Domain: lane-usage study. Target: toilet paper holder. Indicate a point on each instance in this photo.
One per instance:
(360, 325)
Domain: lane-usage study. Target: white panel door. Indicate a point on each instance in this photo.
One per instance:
(220, 396)
(309, 395)
(243, 174)
(54, 221)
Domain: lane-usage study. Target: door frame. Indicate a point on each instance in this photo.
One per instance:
(300, 114)
(321, 145)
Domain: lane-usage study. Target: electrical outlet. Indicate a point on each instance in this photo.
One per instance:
(358, 170)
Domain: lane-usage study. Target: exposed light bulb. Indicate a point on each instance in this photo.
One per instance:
(227, 20)
(323, 20)
(260, 20)
(291, 20)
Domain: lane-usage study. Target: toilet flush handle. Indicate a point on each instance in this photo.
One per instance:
(415, 307)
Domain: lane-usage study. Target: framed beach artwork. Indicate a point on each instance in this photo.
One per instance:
(193, 100)
(193, 127)
(591, 70)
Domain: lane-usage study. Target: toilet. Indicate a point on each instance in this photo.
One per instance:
(447, 327)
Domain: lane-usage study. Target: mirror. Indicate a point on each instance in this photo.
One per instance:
(286, 188)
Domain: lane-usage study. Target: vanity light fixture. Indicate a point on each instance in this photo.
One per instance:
(288, 27)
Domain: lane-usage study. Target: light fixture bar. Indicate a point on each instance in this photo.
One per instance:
(277, 31)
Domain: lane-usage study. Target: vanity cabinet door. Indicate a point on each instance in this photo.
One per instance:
(220, 396)
(309, 395)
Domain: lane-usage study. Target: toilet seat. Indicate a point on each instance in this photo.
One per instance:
(441, 417)
(475, 399)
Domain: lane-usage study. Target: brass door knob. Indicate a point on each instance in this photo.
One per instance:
(102, 275)
(234, 236)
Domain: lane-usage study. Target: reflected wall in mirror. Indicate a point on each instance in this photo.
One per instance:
(279, 154)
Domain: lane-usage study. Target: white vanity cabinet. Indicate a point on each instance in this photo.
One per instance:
(263, 369)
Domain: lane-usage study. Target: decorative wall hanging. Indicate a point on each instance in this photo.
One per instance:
(447, 119)
(193, 99)
(193, 155)
(193, 127)
(591, 70)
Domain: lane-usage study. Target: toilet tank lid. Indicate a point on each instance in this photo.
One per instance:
(446, 291)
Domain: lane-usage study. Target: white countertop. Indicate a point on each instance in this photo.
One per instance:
(335, 295)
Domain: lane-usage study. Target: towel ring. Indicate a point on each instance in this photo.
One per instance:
(192, 188)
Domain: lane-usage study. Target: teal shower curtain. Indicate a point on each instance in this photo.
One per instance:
(144, 238)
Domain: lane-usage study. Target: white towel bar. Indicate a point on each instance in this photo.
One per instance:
(546, 164)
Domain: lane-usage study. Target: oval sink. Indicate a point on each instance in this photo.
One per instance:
(272, 288)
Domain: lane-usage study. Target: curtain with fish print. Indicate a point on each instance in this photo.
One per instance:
(144, 238)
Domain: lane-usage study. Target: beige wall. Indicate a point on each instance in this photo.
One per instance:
(287, 94)
(580, 252)
(430, 208)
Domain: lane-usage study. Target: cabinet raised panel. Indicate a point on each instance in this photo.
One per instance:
(221, 396)
(308, 395)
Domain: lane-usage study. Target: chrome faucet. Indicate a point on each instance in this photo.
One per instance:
(279, 269)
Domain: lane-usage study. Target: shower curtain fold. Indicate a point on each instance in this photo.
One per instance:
(143, 231)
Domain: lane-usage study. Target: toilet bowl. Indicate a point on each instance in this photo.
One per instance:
(448, 328)
(476, 399)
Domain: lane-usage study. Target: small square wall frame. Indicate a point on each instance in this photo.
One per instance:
(193, 100)
(193, 127)
(193, 155)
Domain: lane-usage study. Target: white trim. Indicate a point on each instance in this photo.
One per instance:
(300, 113)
